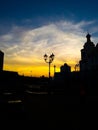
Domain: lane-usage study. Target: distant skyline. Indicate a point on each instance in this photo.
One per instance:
(31, 28)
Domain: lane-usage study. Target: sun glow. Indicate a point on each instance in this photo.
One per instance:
(38, 71)
(24, 51)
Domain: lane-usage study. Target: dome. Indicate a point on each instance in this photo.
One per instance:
(89, 43)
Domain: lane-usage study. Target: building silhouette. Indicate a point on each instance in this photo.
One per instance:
(64, 73)
(1, 60)
(89, 55)
(65, 68)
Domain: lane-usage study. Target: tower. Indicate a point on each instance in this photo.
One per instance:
(1, 60)
(88, 55)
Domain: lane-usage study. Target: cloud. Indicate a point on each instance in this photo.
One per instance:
(27, 46)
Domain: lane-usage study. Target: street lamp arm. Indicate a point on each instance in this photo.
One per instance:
(47, 61)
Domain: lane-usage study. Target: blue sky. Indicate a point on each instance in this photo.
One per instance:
(45, 11)
(31, 28)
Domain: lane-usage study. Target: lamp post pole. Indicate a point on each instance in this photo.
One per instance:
(49, 70)
(49, 60)
(54, 69)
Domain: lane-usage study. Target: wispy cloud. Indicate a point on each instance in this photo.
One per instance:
(26, 47)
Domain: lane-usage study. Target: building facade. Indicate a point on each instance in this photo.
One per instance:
(1, 60)
(89, 55)
(65, 68)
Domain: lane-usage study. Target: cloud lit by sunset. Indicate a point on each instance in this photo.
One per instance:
(24, 48)
(30, 29)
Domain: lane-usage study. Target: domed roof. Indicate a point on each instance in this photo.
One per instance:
(89, 43)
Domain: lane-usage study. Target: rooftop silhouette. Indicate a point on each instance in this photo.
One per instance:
(37, 97)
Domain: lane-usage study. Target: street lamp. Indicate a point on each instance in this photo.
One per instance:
(77, 65)
(49, 59)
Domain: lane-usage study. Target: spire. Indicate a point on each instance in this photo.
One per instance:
(88, 36)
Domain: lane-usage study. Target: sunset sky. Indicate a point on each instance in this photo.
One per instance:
(31, 28)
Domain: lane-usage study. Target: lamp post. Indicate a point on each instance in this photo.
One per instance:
(77, 65)
(49, 59)
(54, 69)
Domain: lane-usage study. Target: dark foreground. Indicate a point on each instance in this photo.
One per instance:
(54, 111)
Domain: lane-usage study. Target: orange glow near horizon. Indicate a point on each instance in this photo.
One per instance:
(24, 54)
(37, 71)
